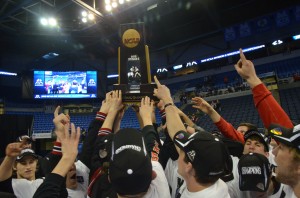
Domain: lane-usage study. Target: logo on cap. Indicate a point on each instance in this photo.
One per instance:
(276, 131)
(191, 154)
(180, 136)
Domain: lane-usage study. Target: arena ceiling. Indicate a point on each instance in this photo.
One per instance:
(168, 23)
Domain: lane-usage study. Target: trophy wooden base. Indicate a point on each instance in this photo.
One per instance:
(134, 97)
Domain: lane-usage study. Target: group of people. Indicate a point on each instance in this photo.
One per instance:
(191, 162)
(66, 86)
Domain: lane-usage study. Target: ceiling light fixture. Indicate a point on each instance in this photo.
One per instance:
(50, 22)
(84, 13)
(91, 16)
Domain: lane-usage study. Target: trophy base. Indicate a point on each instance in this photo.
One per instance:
(133, 96)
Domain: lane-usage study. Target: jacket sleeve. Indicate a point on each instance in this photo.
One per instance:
(268, 108)
(6, 186)
(168, 150)
(152, 142)
(102, 145)
(229, 131)
(51, 160)
(51, 187)
(90, 140)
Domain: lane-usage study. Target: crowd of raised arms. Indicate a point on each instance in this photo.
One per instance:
(190, 162)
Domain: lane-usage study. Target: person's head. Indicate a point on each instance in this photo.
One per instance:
(245, 126)
(26, 165)
(256, 142)
(287, 153)
(203, 157)
(130, 169)
(254, 174)
(71, 179)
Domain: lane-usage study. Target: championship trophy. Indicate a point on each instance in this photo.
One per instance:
(134, 65)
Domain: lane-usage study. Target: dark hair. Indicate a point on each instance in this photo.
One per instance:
(251, 127)
(256, 138)
(199, 178)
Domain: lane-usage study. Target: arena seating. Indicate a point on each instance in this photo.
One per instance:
(290, 103)
(283, 69)
(235, 111)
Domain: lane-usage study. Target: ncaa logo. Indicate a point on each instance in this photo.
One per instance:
(131, 38)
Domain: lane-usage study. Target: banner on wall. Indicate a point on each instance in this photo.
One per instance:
(245, 29)
(262, 24)
(230, 34)
(282, 18)
(279, 19)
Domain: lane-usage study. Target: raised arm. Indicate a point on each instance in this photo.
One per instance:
(173, 120)
(69, 148)
(224, 127)
(12, 151)
(145, 111)
(268, 108)
(52, 186)
(185, 118)
(94, 127)
(59, 121)
(115, 105)
(136, 109)
(119, 117)
(149, 133)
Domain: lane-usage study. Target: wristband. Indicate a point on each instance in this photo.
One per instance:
(168, 104)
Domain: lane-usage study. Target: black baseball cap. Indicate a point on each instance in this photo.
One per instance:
(254, 172)
(287, 136)
(207, 153)
(130, 169)
(26, 152)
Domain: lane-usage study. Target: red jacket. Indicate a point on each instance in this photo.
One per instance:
(269, 111)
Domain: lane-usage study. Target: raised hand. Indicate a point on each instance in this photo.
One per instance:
(146, 110)
(59, 121)
(106, 103)
(201, 104)
(116, 101)
(244, 67)
(14, 149)
(69, 148)
(153, 116)
(69, 141)
(118, 119)
(121, 112)
(162, 92)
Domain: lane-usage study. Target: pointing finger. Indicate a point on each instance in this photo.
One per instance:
(56, 111)
(156, 81)
(242, 56)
